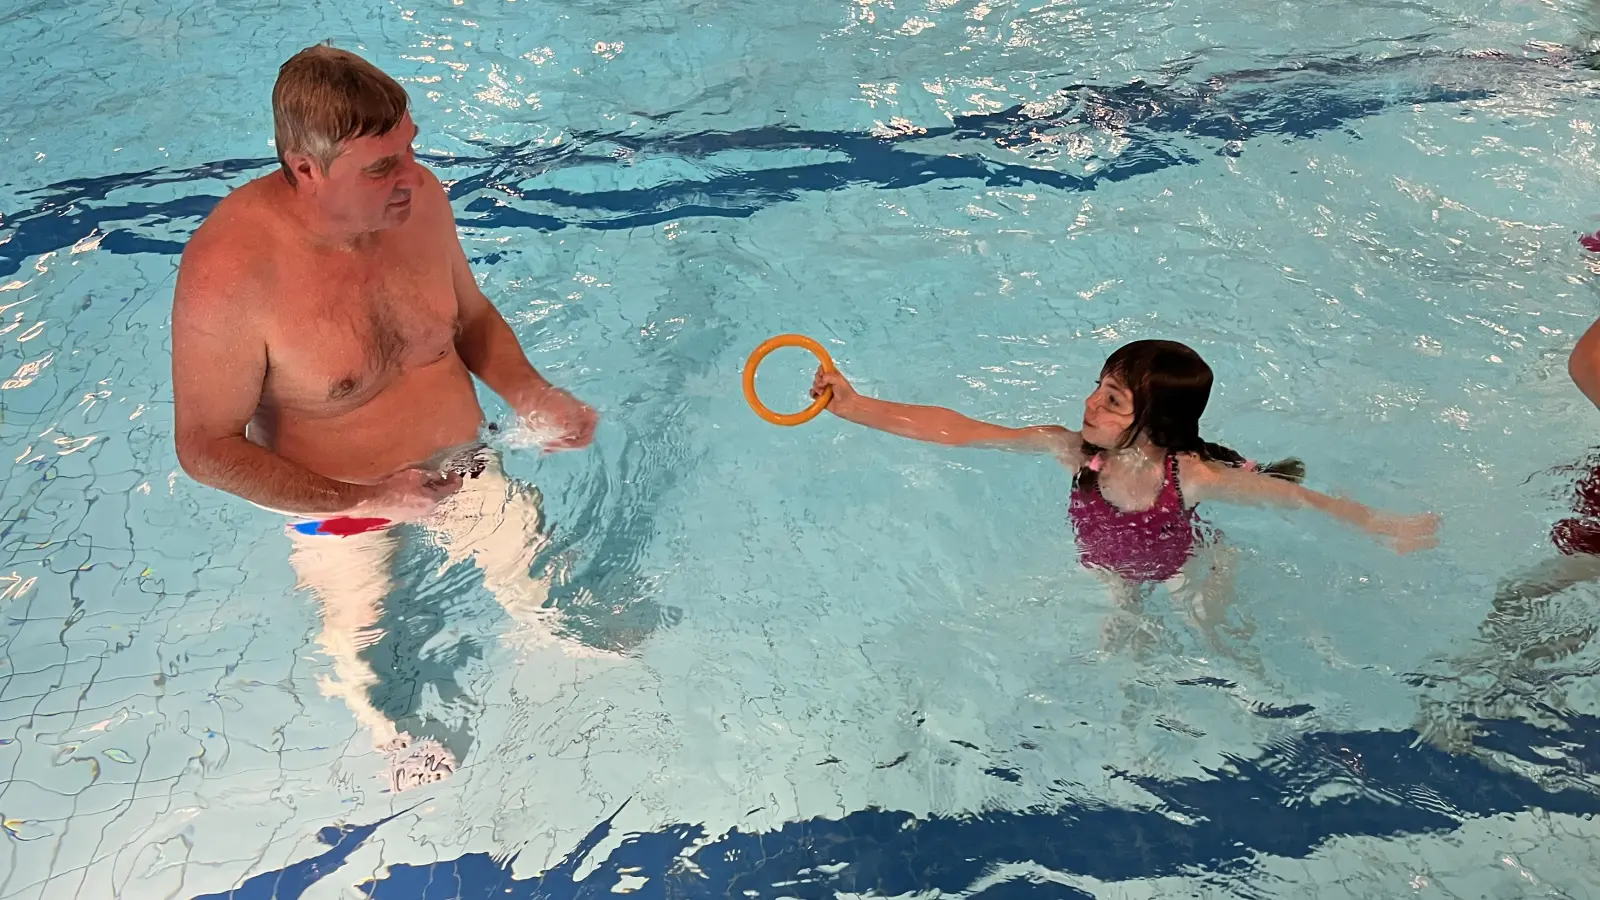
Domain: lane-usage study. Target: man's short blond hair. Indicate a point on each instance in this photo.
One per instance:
(325, 96)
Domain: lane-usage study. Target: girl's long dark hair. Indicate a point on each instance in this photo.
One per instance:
(1171, 385)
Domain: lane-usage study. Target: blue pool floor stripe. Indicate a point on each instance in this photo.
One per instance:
(1235, 814)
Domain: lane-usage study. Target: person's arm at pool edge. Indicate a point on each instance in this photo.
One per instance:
(491, 351)
(938, 425)
(1584, 364)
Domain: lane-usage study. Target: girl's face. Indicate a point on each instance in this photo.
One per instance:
(1108, 412)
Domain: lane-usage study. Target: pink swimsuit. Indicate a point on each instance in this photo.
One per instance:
(1149, 545)
(1580, 534)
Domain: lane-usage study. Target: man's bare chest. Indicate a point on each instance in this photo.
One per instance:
(344, 332)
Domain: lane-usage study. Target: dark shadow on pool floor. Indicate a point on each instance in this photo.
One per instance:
(1225, 821)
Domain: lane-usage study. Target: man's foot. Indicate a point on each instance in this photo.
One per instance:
(413, 764)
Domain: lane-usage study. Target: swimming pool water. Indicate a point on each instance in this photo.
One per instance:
(820, 661)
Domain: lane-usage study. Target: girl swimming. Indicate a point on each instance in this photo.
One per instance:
(1139, 465)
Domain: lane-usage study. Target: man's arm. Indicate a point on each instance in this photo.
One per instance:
(490, 348)
(491, 351)
(219, 361)
(1584, 364)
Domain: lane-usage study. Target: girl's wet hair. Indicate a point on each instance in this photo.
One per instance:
(1171, 385)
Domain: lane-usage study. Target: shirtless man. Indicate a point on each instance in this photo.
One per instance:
(326, 329)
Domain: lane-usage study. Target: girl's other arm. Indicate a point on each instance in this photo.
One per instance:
(1215, 481)
(938, 425)
(1584, 364)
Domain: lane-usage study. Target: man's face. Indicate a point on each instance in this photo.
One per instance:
(368, 187)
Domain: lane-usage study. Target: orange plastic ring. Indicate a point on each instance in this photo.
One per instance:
(769, 345)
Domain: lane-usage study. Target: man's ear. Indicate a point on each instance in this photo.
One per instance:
(307, 171)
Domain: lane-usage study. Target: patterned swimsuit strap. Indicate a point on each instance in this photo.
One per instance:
(1098, 460)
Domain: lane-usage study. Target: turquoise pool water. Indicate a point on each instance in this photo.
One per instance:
(820, 661)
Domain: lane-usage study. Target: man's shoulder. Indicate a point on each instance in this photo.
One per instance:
(436, 197)
(238, 224)
(430, 178)
(233, 247)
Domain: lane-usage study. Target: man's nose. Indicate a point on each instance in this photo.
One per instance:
(410, 176)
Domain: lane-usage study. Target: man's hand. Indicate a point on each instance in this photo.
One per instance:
(408, 494)
(562, 421)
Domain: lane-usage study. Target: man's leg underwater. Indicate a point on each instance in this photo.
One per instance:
(498, 524)
(351, 576)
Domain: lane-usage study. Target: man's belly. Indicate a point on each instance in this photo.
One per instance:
(421, 414)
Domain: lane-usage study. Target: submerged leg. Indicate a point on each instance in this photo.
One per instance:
(1521, 633)
(350, 577)
(498, 524)
(1205, 595)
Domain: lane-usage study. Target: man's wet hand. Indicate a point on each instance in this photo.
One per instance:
(411, 494)
(562, 420)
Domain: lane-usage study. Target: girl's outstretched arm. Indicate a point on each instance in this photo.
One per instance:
(938, 425)
(1584, 364)
(1216, 481)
